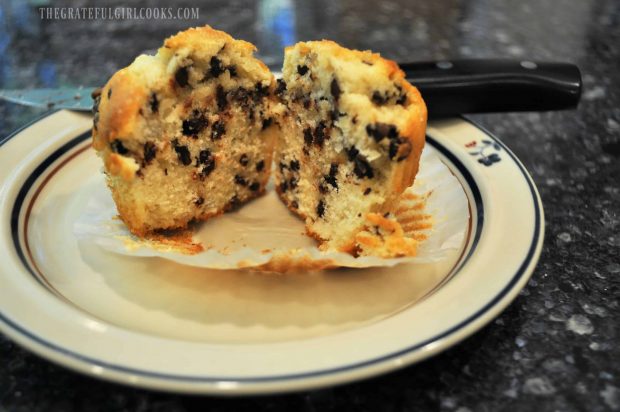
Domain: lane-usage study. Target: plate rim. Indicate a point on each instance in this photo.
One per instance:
(403, 357)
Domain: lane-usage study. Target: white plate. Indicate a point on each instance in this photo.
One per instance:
(152, 323)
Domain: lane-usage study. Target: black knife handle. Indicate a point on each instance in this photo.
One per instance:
(491, 85)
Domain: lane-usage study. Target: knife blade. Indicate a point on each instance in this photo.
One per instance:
(73, 98)
(448, 87)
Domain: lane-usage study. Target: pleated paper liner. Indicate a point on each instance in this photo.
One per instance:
(264, 235)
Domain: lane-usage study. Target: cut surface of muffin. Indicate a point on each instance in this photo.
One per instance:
(188, 133)
(351, 142)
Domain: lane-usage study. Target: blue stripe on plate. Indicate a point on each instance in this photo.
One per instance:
(25, 189)
(244, 380)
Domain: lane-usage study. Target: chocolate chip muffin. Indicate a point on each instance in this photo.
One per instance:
(188, 133)
(352, 137)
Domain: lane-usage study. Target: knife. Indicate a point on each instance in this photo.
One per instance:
(448, 87)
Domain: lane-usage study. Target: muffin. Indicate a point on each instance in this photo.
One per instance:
(351, 141)
(188, 133)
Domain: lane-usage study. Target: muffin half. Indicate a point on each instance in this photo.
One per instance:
(350, 145)
(188, 133)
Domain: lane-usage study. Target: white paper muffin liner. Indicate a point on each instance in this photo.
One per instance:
(265, 235)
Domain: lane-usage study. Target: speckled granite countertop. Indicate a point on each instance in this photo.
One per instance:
(555, 348)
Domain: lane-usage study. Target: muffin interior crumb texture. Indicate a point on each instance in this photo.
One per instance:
(353, 132)
(188, 133)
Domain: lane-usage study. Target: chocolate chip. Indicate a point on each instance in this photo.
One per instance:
(302, 70)
(220, 97)
(292, 183)
(219, 129)
(267, 122)
(333, 169)
(260, 91)
(308, 136)
(182, 77)
(182, 153)
(204, 157)
(335, 89)
(367, 191)
(399, 148)
(232, 70)
(294, 165)
(166, 171)
(393, 149)
(378, 99)
(334, 114)
(193, 125)
(354, 119)
(281, 87)
(320, 208)
(240, 180)
(118, 147)
(294, 204)
(331, 178)
(260, 166)
(216, 67)
(319, 134)
(95, 120)
(154, 103)
(96, 101)
(208, 168)
(282, 166)
(150, 150)
(241, 95)
(199, 201)
(233, 203)
(254, 186)
(402, 96)
(96, 93)
(244, 160)
(306, 103)
(362, 168)
(352, 153)
(322, 188)
(283, 187)
(109, 93)
(382, 130)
